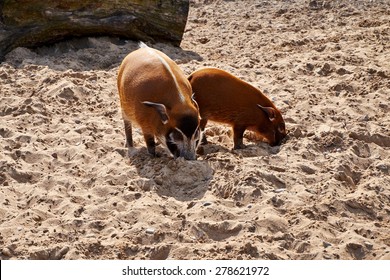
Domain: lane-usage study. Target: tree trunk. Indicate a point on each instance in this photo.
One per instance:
(32, 23)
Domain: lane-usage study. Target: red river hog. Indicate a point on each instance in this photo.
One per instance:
(156, 95)
(224, 98)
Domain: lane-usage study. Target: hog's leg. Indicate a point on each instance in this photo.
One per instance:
(150, 144)
(238, 134)
(203, 123)
(128, 134)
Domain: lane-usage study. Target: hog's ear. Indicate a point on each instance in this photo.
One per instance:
(269, 111)
(161, 110)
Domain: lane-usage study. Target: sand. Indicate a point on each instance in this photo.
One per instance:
(68, 189)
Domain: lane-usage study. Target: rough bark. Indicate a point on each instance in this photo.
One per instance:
(31, 23)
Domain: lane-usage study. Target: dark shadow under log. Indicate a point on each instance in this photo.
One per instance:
(32, 23)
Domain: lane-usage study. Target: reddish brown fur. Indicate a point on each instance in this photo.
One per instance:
(225, 98)
(143, 77)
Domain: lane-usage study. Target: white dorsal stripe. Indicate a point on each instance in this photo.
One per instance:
(166, 65)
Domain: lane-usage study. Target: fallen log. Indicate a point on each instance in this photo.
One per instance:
(32, 23)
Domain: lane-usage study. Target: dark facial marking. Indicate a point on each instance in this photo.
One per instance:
(176, 135)
(172, 146)
(280, 133)
(188, 125)
(282, 127)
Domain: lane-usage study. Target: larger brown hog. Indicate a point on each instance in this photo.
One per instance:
(155, 94)
(225, 98)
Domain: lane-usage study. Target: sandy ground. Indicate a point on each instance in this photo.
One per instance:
(68, 190)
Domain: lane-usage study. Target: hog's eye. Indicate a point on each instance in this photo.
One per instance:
(282, 127)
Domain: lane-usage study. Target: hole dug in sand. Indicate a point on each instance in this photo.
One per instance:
(219, 231)
(178, 178)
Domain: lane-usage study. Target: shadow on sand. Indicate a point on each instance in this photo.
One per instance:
(181, 179)
(90, 53)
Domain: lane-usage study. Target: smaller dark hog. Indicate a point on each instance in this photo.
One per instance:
(225, 98)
